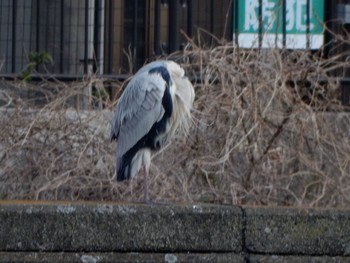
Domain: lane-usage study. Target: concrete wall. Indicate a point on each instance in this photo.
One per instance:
(112, 232)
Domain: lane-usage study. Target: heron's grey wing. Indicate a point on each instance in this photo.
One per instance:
(139, 107)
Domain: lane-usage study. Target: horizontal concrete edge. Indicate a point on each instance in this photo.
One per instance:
(70, 257)
(83, 257)
(119, 227)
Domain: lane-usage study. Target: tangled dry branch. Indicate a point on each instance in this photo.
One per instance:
(268, 129)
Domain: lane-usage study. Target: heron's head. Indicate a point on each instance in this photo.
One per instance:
(183, 87)
(183, 95)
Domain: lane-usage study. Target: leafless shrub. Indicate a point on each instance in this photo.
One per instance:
(268, 129)
(54, 150)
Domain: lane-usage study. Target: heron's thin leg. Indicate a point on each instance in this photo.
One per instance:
(145, 186)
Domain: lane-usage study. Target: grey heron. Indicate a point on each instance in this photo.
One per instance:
(154, 105)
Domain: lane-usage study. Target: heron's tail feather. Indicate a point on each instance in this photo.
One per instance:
(131, 162)
(123, 166)
(124, 163)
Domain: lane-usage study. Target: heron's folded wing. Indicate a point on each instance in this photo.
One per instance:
(138, 109)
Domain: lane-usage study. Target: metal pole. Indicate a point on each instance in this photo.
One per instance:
(260, 24)
(189, 18)
(174, 38)
(61, 36)
(37, 27)
(308, 24)
(14, 21)
(212, 6)
(284, 23)
(110, 37)
(86, 40)
(96, 39)
(157, 27)
(235, 21)
(135, 34)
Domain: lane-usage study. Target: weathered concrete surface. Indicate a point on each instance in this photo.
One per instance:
(297, 231)
(47, 257)
(111, 232)
(119, 227)
(296, 259)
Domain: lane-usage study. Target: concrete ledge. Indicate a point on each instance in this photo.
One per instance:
(296, 259)
(70, 257)
(111, 232)
(297, 231)
(122, 228)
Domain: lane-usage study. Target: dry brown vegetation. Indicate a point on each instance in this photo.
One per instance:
(268, 129)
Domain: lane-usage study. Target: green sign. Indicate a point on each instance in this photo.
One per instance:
(301, 30)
